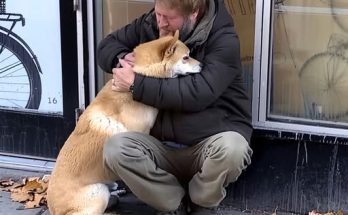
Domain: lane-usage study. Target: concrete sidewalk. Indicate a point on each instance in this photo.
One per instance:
(128, 203)
(8, 207)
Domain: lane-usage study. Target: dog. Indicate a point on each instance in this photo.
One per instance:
(78, 183)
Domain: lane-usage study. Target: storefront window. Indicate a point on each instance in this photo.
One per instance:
(117, 13)
(243, 13)
(309, 61)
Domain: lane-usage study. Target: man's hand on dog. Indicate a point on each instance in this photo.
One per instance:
(123, 77)
(129, 58)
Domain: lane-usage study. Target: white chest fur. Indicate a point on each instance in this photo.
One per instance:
(102, 123)
(137, 117)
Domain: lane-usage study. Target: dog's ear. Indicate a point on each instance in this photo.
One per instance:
(176, 35)
(171, 45)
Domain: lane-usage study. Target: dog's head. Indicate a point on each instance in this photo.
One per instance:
(165, 57)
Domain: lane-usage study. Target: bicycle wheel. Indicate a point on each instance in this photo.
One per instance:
(20, 82)
(324, 82)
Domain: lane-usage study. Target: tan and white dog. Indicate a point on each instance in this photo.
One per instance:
(78, 181)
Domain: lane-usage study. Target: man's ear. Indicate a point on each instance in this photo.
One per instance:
(193, 16)
(172, 44)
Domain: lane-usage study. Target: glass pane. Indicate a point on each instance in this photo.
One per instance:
(309, 63)
(117, 13)
(243, 13)
(30, 70)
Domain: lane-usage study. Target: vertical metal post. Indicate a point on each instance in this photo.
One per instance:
(80, 52)
(91, 48)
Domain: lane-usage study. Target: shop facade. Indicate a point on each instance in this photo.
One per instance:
(295, 64)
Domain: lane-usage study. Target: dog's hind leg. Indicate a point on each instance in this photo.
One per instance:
(92, 199)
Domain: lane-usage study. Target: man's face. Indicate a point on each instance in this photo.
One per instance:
(170, 20)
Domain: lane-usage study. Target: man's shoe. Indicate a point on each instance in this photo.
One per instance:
(182, 210)
(199, 210)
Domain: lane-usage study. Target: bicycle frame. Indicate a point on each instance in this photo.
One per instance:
(14, 18)
(8, 18)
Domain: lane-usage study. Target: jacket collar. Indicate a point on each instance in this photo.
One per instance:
(202, 30)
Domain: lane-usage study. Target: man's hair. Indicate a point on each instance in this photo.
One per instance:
(187, 6)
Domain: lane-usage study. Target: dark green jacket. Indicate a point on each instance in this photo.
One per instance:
(196, 106)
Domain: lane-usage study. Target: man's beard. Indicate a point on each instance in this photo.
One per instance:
(184, 31)
(164, 32)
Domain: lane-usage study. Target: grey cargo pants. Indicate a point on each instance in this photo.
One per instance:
(161, 175)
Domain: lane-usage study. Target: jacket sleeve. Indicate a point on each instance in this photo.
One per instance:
(195, 92)
(119, 43)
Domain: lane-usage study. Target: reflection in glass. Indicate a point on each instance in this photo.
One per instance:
(309, 65)
(243, 13)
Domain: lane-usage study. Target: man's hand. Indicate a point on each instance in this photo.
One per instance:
(129, 58)
(123, 77)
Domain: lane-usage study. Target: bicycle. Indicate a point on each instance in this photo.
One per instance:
(324, 80)
(324, 76)
(20, 82)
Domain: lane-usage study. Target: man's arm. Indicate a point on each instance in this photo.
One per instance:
(118, 43)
